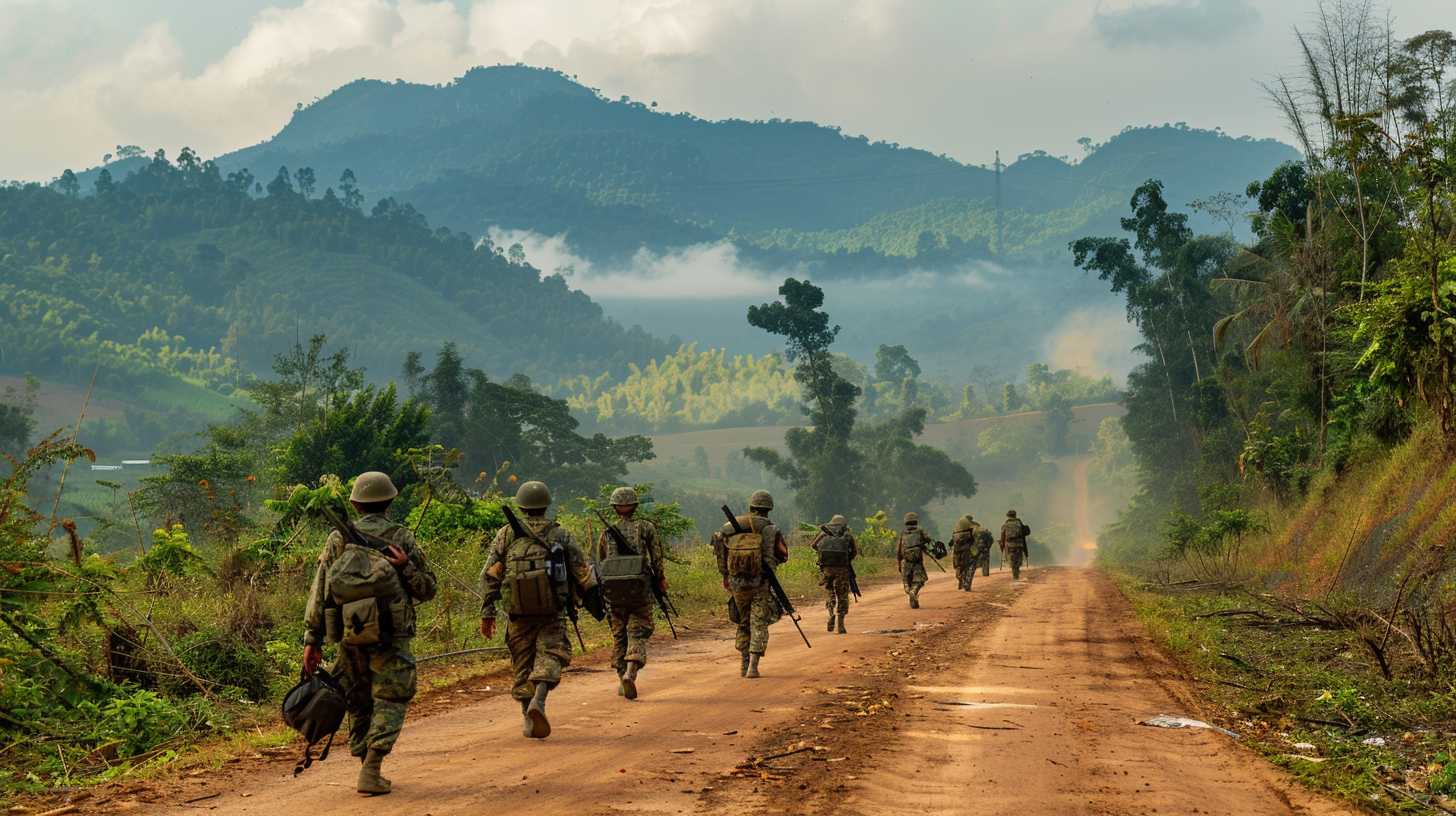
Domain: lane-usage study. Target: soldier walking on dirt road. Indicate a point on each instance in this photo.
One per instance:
(625, 578)
(965, 545)
(536, 574)
(837, 550)
(743, 559)
(1013, 542)
(910, 549)
(354, 590)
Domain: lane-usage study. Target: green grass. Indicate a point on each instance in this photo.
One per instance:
(1280, 686)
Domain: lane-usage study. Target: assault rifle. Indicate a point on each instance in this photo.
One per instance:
(853, 577)
(557, 557)
(663, 601)
(773, 582)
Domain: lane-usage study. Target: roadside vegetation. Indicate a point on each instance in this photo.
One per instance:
(1293, 430)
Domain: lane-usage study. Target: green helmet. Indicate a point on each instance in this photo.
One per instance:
(760, 500)
(911, 518)
(1010, 514)
(372, 487)
(838, 521)
(624, 496)
(533, 495)
(964, 523)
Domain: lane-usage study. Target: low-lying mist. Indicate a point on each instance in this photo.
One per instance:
(978, 319)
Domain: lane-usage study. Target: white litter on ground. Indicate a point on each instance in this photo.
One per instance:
(1173, 721)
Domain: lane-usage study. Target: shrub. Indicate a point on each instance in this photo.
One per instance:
(224, 659)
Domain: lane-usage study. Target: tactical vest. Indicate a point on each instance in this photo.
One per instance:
(534, 573)
(835, 550)
(964, 542)
(367, 597)
(913, 545)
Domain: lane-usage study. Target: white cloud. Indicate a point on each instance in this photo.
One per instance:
(703, 271)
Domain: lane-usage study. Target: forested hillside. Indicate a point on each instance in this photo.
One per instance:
(180, 272)
(527, 148)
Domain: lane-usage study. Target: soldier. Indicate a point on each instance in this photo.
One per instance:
(536, 576)
(965, 547)
(624, 577)
(1013, 542)
(375, 666)
(910, 550)
(742, 560)
(985, 542)
(837, 550)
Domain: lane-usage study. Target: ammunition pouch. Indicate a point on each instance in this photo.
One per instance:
(367, 622)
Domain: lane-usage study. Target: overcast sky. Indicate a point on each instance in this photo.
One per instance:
(77, 77)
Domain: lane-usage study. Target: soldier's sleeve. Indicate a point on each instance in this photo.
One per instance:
(418, 578)
(492, 574)
(655, 554)
(599, 550)
(814, 545)
(899, 548)
(581, 569)
(853, 547)
(720, 552)
(313, 611)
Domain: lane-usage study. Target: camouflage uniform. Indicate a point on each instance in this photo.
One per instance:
(539, 644)
(1013, 543)
(910, 549)
(965, 550)
(379, 680)
(835, 580)
(984, 542)
(632, 626)
(757, 607)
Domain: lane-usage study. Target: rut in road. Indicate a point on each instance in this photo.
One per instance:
(1057, 656)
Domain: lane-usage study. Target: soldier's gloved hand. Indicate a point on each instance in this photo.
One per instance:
(662, 583)
(487, 628)
(312, 657)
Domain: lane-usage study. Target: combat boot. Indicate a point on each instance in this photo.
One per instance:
(752, 666)
(370, 782)
(914, 602)
(525, 718)
(831, 622)
(743, 666)
(629, 680)
(537, 726)
(841, 625)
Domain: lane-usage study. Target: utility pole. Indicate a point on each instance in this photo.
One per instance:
(1000, 226)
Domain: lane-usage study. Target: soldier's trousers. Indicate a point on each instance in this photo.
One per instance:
(985, 561)
(965, 569)
(631, 629)
(757, 611)
(378, 683)
(914, 577)
(1017, 556)
(835, 581)
(540, 649)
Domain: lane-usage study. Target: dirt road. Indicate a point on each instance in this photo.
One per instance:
(1016, 699)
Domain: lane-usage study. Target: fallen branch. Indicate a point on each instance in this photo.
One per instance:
(770, 757)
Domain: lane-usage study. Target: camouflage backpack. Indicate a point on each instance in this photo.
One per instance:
(624, 576)
(365, 588)
(745, 552)
(533, 571)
